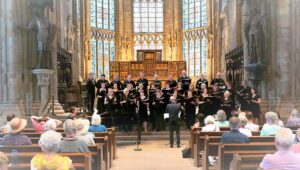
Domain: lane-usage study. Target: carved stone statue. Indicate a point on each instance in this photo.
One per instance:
(255, 36)
(45, 33)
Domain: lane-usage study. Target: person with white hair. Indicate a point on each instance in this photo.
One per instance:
(210, 125)
(284, 158)
(96, 124)
(52, 124)
(83, 133)
(227, 104)
(221, 119)
(294, 119)
(49, 159)
(70, 143)
(243, 129)
(270, 127)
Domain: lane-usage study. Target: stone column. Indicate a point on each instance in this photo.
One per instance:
(245, 19)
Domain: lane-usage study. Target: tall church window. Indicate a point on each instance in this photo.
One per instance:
(102, 35)
(194, 15)
(148, 24)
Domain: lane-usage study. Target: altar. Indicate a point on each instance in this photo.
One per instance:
(149, 62)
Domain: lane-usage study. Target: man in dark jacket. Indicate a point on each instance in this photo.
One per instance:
(91, 83)
(174, 109)
(234, 136)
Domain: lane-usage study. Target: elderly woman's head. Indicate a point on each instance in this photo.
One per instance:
(50, 141)
(70, 128)
(221, 116)
(294, 114)
(284, 139)
(243, 121)
(209, 120)
(271, 117)
(50, 125)
(96, 120)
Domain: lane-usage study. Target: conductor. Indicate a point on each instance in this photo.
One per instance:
(173, 109)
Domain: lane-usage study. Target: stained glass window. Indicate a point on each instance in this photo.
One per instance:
(194, 16)
(148, 24)
(102, 42)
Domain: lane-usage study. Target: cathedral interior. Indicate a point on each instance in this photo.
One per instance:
(48, 47)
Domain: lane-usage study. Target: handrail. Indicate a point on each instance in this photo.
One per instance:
(46, 104)
(51, 108)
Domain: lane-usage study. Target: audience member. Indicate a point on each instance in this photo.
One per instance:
(6, 128)
(284, 158)
(234, 136)
(279, 122)
(250, 123)
(270, 127)
(3, 161)
(38, 123)
(221, 119)
(14, 136)
(70, 143)
(96, 124)
(210, 125)
(49, 159)
(52, 124)
(294, 119)
(83, 133)
(296, 147)
(243, 130)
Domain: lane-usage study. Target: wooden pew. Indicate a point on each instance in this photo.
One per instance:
(96, 152)
(226, 152)
(199, 144)
(211, 144)
(246, 162)
(82, 161)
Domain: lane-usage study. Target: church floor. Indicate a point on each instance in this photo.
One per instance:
(156, 155)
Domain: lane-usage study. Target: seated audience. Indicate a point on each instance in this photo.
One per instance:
(243, 130)
(279, 122)
(52, 124)
(38, 123)
(3, 161)
(83, 131)
(221, 119)
(284, 158)
(234, 136)
(270, 127)
(14, 136)
(294, 119)
(250, 123)
(49, 159)
(296, 147)
(5, 128)
(96, 124)
(70, 143)
(210, 125)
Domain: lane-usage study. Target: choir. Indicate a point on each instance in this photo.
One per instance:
(146, 102)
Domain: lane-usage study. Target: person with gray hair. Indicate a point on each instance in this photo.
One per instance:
(210, 125)
(243, 123)
(49, 159)
(270, 127)
(174, 109)
(234, 136)
(294, 119)
(71, 143)
(221, 119)
(284, 158)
